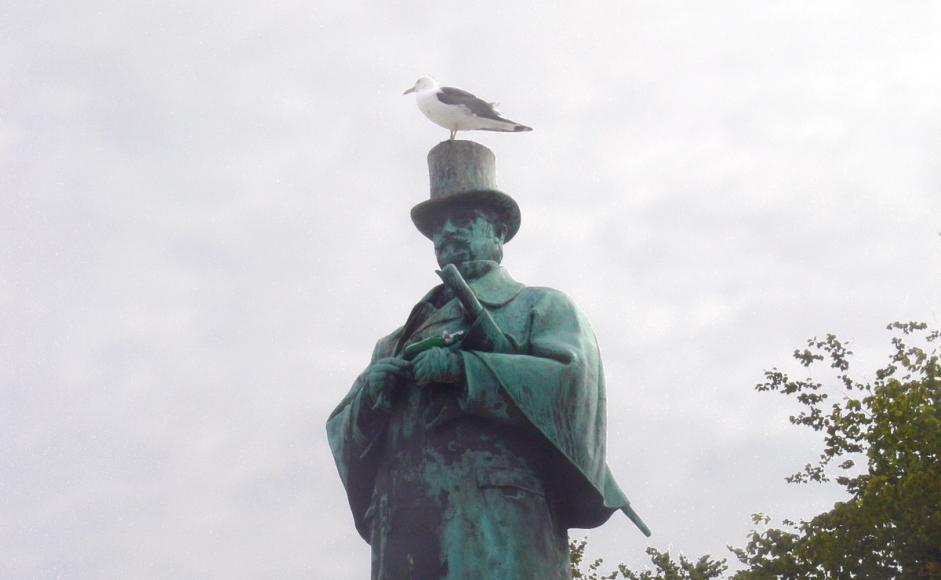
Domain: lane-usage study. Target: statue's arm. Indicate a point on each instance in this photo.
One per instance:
(480, 392)
(360, 418)
(556, 357)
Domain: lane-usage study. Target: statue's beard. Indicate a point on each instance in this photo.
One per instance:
(459, 250)
(455, 251)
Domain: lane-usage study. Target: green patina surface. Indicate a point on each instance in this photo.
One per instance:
(476, 436)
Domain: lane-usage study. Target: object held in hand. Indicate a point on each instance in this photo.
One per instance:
(484, 334)
(446, 340)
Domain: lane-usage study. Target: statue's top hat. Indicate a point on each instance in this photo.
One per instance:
(463, 173)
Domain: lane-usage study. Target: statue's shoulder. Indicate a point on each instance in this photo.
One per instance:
(552, 304)
(499, 289)
(546, 294)
(385, 346)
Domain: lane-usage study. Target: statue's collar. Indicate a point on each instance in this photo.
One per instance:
(496, 287)
(476, 268)
(493, 284)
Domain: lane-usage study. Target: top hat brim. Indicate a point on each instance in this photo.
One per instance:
(506, 208)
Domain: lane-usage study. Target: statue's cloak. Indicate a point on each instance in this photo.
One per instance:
(553, 377)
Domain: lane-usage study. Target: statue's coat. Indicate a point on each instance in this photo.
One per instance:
(483, 479)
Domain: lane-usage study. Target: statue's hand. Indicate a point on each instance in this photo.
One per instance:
(438, 365)
(384, 374)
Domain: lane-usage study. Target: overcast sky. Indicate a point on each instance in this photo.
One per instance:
(204, 228)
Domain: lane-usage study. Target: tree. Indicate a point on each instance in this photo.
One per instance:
(666, 568)
(891, 524)
(881, 443)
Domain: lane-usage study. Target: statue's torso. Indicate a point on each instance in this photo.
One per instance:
(457, 495)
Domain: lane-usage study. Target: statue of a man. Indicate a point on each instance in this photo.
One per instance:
(476, 436)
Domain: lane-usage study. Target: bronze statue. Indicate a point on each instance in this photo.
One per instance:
(476, 436)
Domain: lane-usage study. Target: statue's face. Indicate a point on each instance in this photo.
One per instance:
(467, 234)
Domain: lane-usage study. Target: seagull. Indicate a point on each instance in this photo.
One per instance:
(458, 110)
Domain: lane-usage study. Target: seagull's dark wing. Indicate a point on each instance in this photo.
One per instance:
(452, 96)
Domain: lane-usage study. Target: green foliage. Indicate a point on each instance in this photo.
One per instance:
(891, 524)
(577, 555)
(666, 568)
(882, 444)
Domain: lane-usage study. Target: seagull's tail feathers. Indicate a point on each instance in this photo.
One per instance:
(505, 125)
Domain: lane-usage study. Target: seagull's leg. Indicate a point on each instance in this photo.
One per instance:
(453, 133)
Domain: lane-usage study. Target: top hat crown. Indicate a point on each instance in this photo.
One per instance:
(463, 173)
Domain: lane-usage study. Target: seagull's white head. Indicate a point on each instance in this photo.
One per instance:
(422, 85)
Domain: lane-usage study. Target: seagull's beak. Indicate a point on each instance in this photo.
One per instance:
(411, 90)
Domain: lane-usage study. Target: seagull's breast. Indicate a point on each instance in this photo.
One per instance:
(452, 117)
